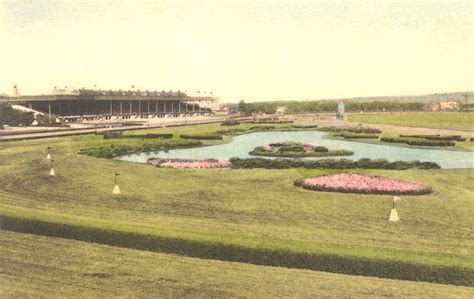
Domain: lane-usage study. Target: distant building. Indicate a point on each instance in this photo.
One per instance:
(64, 91)
(445, 106)
(281, 110)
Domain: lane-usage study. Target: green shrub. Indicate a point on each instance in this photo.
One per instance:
(262, 128)
(249, 163)
(201, 137)
(304, 126)
(359, 130)
(436, 137)
(119, 135)
(230, 131)
(230, 122)
(120, 150)
(348, 135)
(417, 141)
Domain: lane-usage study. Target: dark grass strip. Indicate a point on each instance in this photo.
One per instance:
(233, 253)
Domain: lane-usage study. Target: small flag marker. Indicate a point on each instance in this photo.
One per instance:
(116, 189)
(51, 170)
(393, 213)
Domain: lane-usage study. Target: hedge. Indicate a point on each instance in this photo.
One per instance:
(230, 131)
(334, 263)
(351, 130)
(348, 135)
(250, 163)
(262, 128)
(305, 127)
(113, 150)
(201, 137)
(436, 137)
(146, 136)
(415, 141)
(230, 122)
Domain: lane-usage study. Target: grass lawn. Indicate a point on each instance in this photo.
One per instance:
(33, 266)
(255, 208)
(464, 121)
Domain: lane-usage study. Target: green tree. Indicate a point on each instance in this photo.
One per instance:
(14, 118)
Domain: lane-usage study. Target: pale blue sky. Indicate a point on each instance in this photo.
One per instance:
(253, 50)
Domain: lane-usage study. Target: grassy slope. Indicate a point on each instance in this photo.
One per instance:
(431, 120)
(256, 208)
(33, 266)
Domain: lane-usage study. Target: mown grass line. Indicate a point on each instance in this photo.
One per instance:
(226, 252)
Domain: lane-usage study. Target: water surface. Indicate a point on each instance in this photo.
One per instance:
(241, 145)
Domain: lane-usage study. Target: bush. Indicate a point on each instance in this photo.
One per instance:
(436, 137)
(250, 163)
(113, 150)
(417, 141)
(262, 128)
(230, 122)
(348, 135)
(230, 131)
(201, 137)
(305, 126)
(14, 118)
(119, 135)
(359, 130)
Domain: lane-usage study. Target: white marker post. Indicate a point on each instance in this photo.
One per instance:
(393, 213)
(48, 157)
(51, 171)
(116, 189)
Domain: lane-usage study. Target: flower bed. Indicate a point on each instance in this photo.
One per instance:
(197, 164)
(365, 184)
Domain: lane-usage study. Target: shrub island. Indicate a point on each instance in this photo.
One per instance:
(296, 150)
(364, 184)
(180, 163)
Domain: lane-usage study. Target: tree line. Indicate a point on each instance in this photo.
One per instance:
(325, 106)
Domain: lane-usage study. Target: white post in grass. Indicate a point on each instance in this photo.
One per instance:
(51, 170)
(116, 189)
(48, 156)
(393, 213)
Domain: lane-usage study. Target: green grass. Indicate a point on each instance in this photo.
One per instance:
(464, 121)
(33, 266)
(255, 208)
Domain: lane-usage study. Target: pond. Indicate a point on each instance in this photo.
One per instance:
(241, 145)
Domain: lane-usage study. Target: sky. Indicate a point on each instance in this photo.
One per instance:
(251, 50)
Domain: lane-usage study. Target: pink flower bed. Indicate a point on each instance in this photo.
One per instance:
(358, 183)
(190, 163)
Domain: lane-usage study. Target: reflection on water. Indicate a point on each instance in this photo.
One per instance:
(241, 145)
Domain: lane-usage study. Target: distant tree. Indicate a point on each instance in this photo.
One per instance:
(242, 108)
(14, 118)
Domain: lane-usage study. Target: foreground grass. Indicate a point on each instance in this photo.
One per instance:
(464, 121)
(32, 266)
(253, 208)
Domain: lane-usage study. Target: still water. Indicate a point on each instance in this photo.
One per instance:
(241, 145)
